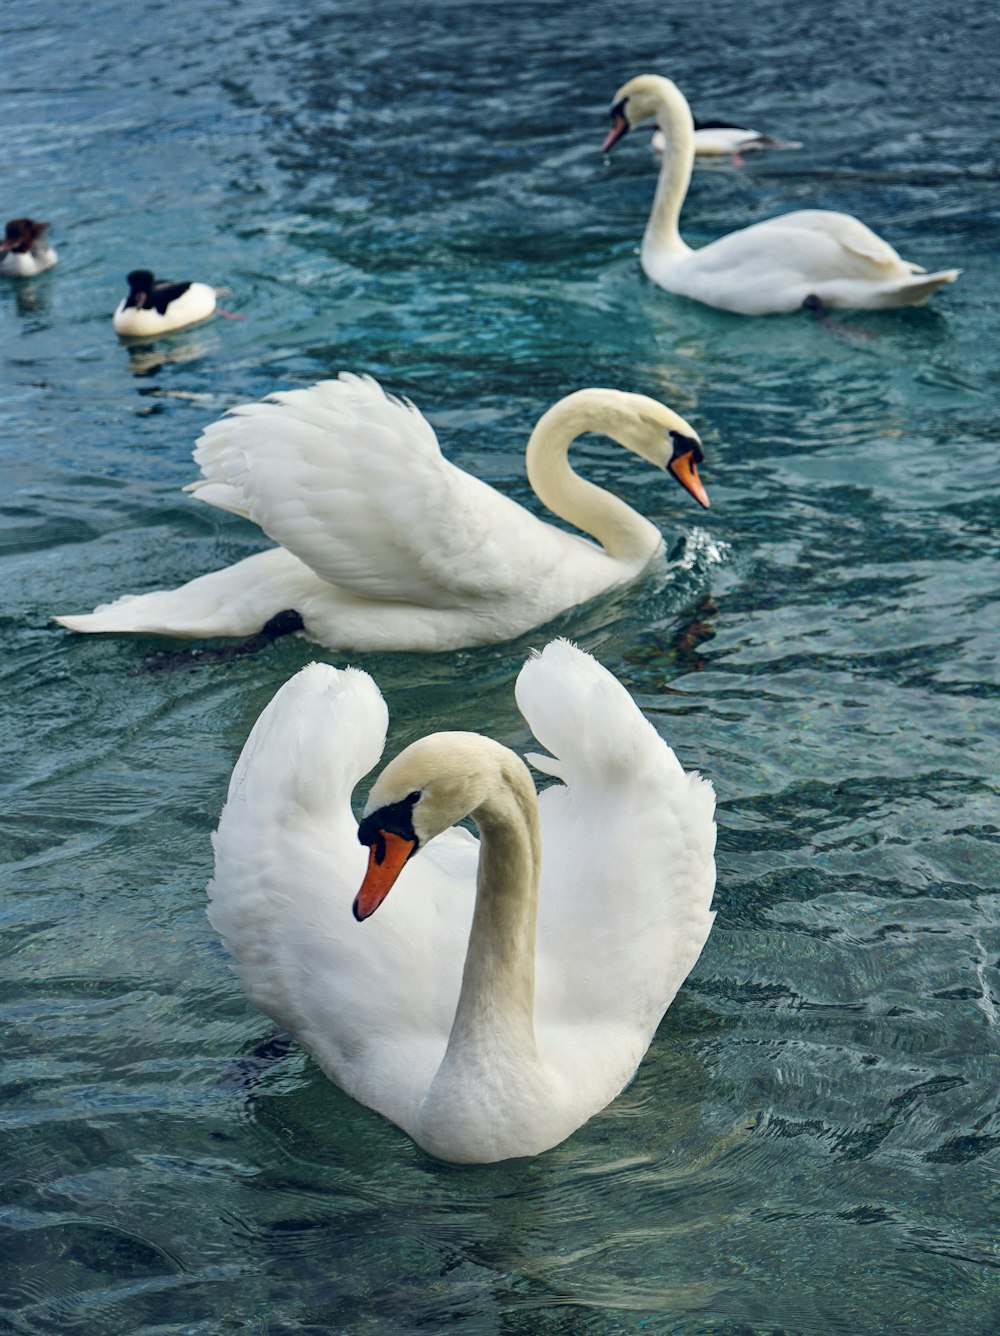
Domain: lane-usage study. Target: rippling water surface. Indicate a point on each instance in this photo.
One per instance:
(416, 190)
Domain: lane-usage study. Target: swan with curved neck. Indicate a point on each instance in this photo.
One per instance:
(492, 1044)
(812, 256)
(507, 989)
(386, 545)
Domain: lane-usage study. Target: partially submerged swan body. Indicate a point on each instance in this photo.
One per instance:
(387, 545)
(813, 255)
(158, 306)
(724, 139)
(507, 989)
(24, 251)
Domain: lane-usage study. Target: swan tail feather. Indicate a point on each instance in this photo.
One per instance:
(236, 601)
(914, 291)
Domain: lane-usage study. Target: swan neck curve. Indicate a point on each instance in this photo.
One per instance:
(496, 1004)
(673, 116)
(624, 534)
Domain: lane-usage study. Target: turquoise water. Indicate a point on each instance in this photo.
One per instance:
(415, 190)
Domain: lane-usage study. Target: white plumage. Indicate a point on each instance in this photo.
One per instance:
(718, 139)
(387, 545)
(24, 250)
(769, 268)
(473, 1071)
(158, 306)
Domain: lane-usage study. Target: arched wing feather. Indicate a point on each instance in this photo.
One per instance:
(352, 481)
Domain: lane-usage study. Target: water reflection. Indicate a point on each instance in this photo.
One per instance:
(146, 357)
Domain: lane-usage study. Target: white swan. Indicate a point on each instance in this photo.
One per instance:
(24, 252)
(385, 544)
(827, 258)
(540, 1029)
(723, 139)
(157, 306)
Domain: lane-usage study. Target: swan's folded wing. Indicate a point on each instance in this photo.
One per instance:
(353, 482)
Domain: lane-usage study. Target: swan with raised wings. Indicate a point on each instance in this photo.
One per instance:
(385, 544)
(817, 256)
(509, 987)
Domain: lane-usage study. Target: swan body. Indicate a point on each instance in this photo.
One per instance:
(157, 306)
(24, 252)
(508, 988)
(385, 544)
(769, 268)
(722, 139)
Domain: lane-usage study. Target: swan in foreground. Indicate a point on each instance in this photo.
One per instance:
(723, 139)
(24, 250)
(385, 544)
(157, 306)
(578, 912)
(828, 258)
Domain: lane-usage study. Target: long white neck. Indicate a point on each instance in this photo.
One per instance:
(491, 1092)
(623, 533)
(673, 116)
(496, 1005)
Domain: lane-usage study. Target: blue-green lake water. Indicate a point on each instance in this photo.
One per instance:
(416, 190)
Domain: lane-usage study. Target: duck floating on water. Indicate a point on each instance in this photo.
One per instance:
(725, 139)
(157, 306)
(24, 252)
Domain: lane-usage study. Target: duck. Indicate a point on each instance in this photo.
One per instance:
(813, 257)
(157, 306)
(386, 545)
(509, 986)
(24, 251)
(725, 139)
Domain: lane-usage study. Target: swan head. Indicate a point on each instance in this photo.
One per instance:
(431, 785)
(648, 428)
(20, 235)
(642, 99)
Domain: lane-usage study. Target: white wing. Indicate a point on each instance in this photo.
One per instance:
(373, 1002)
(353, 482)
(628, 866)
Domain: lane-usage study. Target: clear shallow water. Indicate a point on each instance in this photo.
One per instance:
(415, 190)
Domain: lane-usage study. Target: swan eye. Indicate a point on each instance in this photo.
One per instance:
(395, 819)
(687, 445)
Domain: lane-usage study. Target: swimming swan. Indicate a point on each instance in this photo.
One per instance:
(545, 1022)
(769, 268)
(24, 252)
(385, 544)
(157, 306)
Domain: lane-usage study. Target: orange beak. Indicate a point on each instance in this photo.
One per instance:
(685, 471)
(382, 872)
(619, 127)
